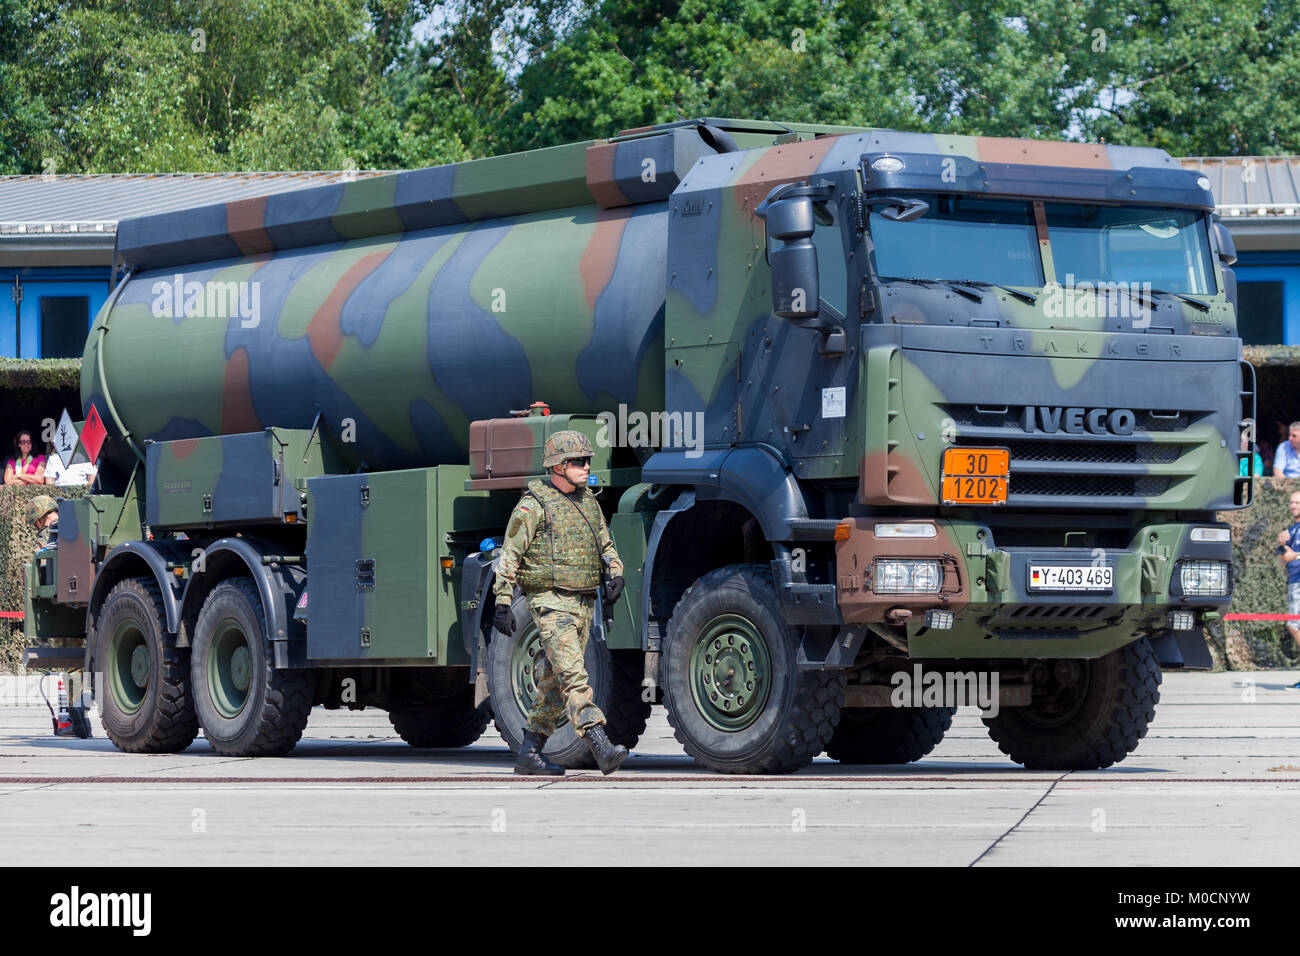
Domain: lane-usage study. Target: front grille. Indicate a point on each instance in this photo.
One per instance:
(1040, 613)
(1045, 465)
(1147, 420)
(1109, 452)
(1087, 486)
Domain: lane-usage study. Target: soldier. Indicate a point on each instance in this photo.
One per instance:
(43, 512)
(553, 548)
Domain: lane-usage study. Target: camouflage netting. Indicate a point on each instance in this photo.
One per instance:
(1259, 583)
(17, 543)
(33, 390)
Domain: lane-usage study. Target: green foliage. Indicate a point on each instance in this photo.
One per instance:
(156, 85)
(39, 374)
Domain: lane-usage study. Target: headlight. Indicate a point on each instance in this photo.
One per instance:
(1204, 578)
(1211, 535)
(910, 576)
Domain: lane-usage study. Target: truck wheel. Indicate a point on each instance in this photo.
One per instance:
(146, 706)
(735, 695)
(614, 676)
(247, 708)
(1089, 714)
(453, 722)
(888, 734)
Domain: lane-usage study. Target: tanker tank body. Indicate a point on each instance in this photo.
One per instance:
(405, 305)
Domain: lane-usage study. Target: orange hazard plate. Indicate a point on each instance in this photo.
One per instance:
(976, 476)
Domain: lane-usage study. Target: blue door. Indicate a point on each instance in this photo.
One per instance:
(56, 317)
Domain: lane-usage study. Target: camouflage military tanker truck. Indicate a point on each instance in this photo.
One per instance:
(867, 406)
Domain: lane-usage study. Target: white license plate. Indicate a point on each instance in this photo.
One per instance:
(1070, 577)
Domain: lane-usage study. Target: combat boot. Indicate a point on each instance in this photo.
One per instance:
(531, 761)
(609, 755)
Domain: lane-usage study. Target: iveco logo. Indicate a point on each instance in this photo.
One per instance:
(1077, 421)
(692, 207)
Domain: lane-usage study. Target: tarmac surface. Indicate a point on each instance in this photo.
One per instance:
(1215, 782)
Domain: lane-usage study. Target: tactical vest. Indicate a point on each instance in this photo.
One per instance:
(563, 553)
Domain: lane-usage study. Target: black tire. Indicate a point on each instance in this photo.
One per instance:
(796, 718)
(157, 717)
(888, 735)
(267, 716)
(615, 679)
(453, 722)
(1100, 723)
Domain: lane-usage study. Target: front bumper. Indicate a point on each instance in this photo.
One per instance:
(998, 614)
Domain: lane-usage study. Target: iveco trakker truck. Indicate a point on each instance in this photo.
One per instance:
(875, 414)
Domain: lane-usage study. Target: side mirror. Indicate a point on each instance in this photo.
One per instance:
(1227, 248)
(1227, 252)
(789, 217)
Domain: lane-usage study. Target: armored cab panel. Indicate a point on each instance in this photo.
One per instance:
(251, 477)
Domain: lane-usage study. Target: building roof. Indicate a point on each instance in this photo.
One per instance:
(62, 220)
(1255, 186)
(1258, 197)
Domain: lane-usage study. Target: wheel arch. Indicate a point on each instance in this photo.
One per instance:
(237, 557)
(693, 537)
(132, 559)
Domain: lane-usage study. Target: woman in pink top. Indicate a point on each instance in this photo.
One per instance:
(24, 468)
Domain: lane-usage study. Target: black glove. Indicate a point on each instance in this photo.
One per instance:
(503, 620)
(614, 589)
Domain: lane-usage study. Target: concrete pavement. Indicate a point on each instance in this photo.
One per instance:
(1214, 782)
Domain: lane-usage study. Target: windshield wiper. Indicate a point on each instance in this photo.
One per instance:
(965, 293)
(1198, 303)
(1018, 293)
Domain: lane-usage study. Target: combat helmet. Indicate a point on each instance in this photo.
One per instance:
(39, 507)
(562, 446)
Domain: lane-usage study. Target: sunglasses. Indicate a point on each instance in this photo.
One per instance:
(24, 441)
(580, 462)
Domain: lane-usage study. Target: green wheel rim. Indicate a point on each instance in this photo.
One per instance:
(730, 672)
(525, 663)
(129, 674)
(230, 669)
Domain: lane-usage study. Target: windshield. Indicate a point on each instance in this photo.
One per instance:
(1166, 249)
(961, 237)
(994, 241)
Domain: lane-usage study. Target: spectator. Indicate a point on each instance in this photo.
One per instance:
(77, 474)
(24, 468)
(1289, 554)
(1286, 463)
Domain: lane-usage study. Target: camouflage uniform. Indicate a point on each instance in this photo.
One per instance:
(551, 552)
(37, 509)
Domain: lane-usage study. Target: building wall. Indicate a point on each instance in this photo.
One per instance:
(54, 316)
(1268, 292)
